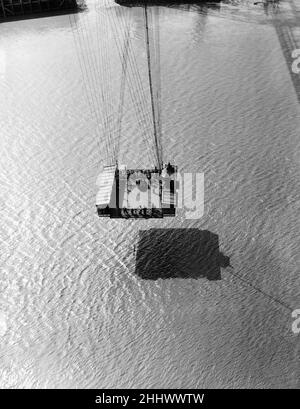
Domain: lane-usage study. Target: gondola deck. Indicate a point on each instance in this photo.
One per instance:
(136, 193)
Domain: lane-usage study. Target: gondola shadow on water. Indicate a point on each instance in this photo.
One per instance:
(179, 253)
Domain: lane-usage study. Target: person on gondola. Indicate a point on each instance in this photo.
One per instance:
(170, 169)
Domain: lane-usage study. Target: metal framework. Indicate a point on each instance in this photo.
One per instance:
(137, 193)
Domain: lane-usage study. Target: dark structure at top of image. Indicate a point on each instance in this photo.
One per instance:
(167, 3)
(19, 9)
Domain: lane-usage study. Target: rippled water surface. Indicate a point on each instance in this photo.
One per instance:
(74, 311)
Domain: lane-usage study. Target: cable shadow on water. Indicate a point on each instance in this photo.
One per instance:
(179, 253)
(287, 31)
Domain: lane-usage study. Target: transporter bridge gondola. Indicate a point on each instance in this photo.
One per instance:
(143, 191)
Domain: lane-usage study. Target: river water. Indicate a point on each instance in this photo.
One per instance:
(74, 309)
